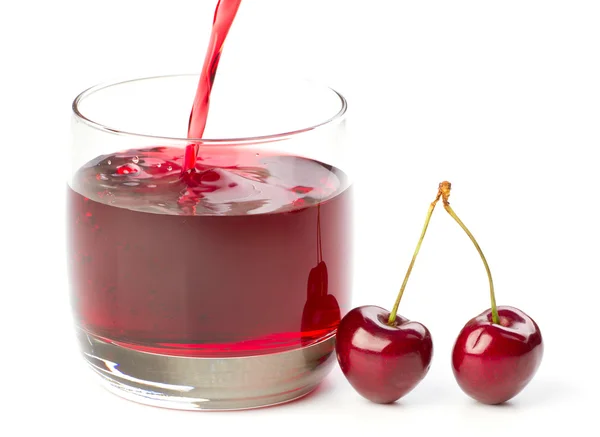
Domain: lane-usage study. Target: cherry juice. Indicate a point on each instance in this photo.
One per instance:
(248, 254)
(208, 251)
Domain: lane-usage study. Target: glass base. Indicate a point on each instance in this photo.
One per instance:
(208, 383)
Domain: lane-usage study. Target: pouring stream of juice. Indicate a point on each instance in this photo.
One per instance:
(224, 15)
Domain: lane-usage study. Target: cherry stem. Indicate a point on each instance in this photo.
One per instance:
(445, 189)
(319, 246)
(392, 317)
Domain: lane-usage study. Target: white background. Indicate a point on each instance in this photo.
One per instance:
(500, 98)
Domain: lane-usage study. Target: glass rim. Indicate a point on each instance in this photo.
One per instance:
(260, 139)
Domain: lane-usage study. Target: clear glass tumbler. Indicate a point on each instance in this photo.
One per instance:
(221, 287)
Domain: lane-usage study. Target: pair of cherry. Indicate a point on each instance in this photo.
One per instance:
(384, 356)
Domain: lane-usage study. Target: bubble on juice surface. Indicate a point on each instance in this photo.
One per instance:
(135, 159)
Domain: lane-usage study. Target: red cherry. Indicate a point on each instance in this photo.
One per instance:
(498, 352)
(321, 311)
(382, 362)
(492, 362)
(383, 355)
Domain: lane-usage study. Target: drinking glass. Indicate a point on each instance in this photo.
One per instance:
(220, 287)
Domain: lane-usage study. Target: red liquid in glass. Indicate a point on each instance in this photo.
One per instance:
(230, 253)
(249, 255)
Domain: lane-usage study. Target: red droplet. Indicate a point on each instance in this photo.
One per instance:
(302, 190)
(88, 214)
(299, 203)
(232, 185)
(126, 169)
